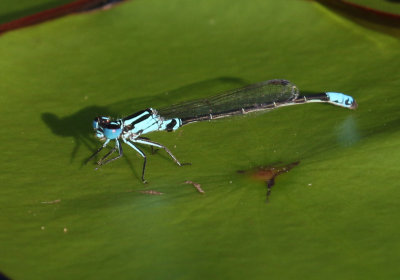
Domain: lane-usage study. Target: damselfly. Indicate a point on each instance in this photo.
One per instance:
(257, 97)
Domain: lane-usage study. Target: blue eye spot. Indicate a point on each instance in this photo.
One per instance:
(95, 124)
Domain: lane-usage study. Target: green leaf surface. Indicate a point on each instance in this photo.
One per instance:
(334, 216)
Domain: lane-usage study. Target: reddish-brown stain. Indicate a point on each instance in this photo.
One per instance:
(268, 174)
(151, 192)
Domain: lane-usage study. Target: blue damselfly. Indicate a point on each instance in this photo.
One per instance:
(256, 97)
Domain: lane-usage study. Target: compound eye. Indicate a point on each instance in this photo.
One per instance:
(105, 119)
(96, 123)
(100, 121)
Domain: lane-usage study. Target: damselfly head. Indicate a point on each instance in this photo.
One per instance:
(100, 121)
(98, 125)
(112, 130)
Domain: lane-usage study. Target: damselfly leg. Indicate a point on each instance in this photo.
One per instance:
(132, 142)
(158, 145)
(107, 155)
(98, 151)
(120, 154)
(140, 152)
(153, 150)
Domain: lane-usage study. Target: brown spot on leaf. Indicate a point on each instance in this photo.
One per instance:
(196, 185)
(151, 192)
(268, 174)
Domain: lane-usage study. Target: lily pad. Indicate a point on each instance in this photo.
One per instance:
(334, 216)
